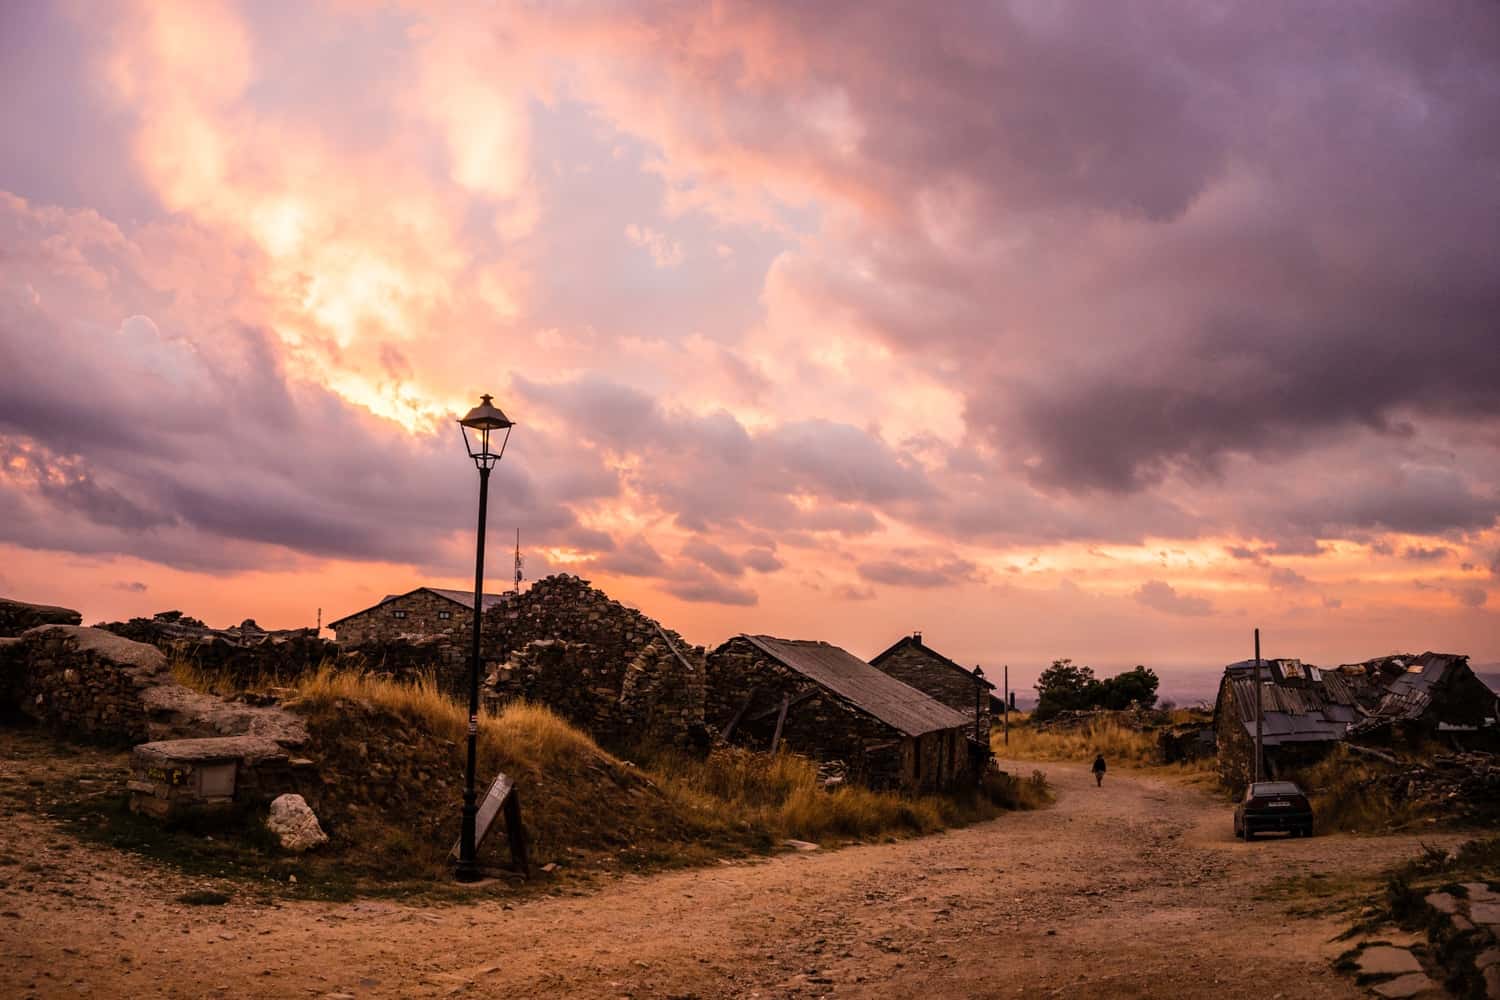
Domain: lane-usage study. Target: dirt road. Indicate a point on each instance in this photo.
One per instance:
(1135, 889)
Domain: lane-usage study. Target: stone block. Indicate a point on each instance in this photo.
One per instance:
(1385, 960)
(1402, 987)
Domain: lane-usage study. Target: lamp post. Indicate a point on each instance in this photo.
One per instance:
(481, 430)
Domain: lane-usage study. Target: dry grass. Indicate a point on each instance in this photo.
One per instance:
(1346, 798)
(1122, 745)
(189, 674)
(780, 793)
(523, 734)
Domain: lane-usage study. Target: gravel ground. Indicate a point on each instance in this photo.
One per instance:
(1135, 889)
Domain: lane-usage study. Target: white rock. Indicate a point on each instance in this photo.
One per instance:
(294, 823)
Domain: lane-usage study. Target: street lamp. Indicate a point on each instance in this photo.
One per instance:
(481, 430)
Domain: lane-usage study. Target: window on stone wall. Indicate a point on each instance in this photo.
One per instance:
(398, 614)
(445, 614)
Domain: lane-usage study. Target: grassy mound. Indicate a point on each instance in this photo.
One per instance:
(391, 755)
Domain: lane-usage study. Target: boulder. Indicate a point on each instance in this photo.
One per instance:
(18, 616)
(294, 824)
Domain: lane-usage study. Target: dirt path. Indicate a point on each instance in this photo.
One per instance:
(1135, 889)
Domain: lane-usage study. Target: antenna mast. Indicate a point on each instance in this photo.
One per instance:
(519, 561)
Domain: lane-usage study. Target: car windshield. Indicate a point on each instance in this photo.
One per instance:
(1274, 788)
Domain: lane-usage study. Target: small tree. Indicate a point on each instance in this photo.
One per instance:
(1124, 689)
(1064, 686)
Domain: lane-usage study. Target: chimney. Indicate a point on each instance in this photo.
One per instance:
(917, 637)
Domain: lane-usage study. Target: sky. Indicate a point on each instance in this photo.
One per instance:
(1101, 331)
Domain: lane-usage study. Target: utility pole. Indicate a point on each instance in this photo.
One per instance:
(319, 632)
(518, 560)
(1007, 704)
(1259, 713)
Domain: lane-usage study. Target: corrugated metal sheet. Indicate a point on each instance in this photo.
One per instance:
(898, 705)
(1289, 714)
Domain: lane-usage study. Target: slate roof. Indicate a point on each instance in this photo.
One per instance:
(465, 598)
(898, 705)
(912, 640)
(1300, 703)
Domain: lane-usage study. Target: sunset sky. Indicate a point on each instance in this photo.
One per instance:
(1099, 330)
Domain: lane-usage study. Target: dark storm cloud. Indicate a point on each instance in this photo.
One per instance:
(633, 557)
(1418, 553)
(1284, 578)
(762, 560)
(1161, 596)
(715, 558)
(920, 572)
(708, 590)
(1146, 237)
(710, 472)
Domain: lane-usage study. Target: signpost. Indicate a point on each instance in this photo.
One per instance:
(501, 797)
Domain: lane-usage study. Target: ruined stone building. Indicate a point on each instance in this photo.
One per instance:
(424, 613)
(1307, 710)
(819, 700)
(605, 667)
(924, 668)
(1431, 696)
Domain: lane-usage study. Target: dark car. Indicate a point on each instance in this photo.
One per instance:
(1273, 805)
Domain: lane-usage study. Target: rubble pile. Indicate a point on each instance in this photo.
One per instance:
(599, 664)
(246, 652)
(1464, 786)
(18, 616)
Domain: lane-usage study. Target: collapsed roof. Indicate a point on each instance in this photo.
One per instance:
(1301, 703)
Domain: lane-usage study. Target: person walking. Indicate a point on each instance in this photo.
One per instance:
(1098, 770)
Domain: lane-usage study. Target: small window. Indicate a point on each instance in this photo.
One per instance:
(445, 614)
(398, 614)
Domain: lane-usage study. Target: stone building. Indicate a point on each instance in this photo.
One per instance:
(605, 667)
(912, 662)
(1305, 712)
(424, 613)
(821, 701)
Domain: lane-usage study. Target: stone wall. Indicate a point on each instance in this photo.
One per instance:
(914, 664)
(747, 687)
(594, 661)
(246, 653)
(84, 683)
(438, 657)
(91, 685)
(173, 779)
(18, 616)
(417, 615)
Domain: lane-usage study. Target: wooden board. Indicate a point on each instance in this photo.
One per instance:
(489, 807)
